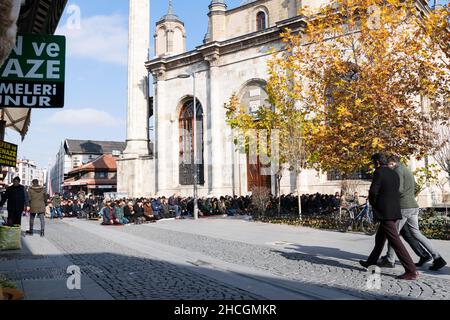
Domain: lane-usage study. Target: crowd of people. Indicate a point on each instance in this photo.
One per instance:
(148, 210)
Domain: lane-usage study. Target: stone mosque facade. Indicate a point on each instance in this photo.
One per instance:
(231, 60)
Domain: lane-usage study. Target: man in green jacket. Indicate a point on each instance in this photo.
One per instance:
(36, 196)
(410, 213)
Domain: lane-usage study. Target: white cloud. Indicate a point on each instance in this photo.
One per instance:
(101, 38)
(81, 118)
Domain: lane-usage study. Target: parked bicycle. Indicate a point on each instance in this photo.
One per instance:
(357, 217)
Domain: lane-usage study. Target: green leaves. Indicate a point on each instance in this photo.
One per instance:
(4, 283)
(432, 224)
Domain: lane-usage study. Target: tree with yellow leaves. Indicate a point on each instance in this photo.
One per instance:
(279, 126)
(363, 76)
(370, 76)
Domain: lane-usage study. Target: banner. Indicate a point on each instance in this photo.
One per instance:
(33, 75)
(8, 154)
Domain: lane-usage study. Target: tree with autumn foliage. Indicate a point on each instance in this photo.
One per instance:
(363, 76)
(369, 76)
(280, 127)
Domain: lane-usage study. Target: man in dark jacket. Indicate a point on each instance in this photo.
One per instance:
(384, 197)
(174, 204)
(90, 207)
(138, 211)
(17, 198)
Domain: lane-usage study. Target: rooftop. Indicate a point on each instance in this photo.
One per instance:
(93, 147)
(106, 162)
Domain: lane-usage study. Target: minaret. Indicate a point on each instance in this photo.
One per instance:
(170, 34)
(138, 109)
(217, 21)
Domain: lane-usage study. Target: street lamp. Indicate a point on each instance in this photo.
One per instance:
(194, 141)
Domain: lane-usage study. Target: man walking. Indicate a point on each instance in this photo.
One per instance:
(37, 196)
(410, 218)
(384, 198)
(17, 198)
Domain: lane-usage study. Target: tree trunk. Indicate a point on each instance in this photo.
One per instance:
(279, 176)
(446, 202)
(299, 196)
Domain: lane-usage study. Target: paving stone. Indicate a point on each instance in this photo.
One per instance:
(128, 274)
(344, 274)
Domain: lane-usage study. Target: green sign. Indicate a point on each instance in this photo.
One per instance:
(8, 154)
(33, 76)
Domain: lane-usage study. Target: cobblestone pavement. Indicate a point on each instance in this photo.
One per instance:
(290, 262)
(126, 273)
(129, 274)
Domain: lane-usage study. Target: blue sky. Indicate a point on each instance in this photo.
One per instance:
(96, 74)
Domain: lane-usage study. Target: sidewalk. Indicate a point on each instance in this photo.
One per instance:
(40, 270)
(208, 256)
(258, 282)
(283, 237)
(273, 261)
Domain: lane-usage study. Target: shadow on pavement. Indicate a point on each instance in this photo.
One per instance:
(126, 277)
(327, 252)
(314, 259)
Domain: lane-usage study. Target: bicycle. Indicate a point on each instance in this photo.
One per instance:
(359, 217)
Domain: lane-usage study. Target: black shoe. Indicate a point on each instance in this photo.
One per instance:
(422, 261)
(29, 232)
(438, 264)
(385, 263)
(364, 263)
(42, 233)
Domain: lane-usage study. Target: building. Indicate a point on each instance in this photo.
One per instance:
(76, 153)
(232, 59)
(96, 177)
(27, 171)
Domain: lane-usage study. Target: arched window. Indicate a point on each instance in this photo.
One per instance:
(260, 21)
(187, 163)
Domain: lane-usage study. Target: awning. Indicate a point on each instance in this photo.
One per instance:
(17, 119)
